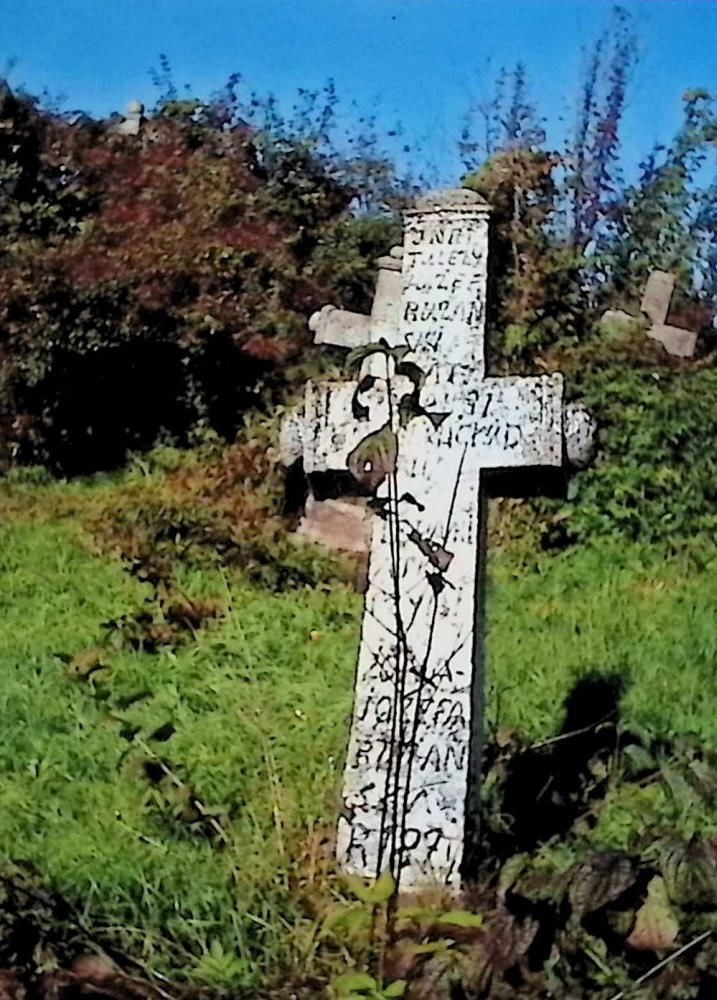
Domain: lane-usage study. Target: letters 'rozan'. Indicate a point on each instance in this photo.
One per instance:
(411, 774)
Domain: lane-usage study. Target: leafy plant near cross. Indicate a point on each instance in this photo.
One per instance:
(373, 463)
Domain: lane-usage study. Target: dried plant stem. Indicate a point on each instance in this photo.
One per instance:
(178, 783)
(568, 736)
(661, 965)
(422, 676)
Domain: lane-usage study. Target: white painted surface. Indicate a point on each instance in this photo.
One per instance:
(513, 421)
(411, 734)
(417, 696)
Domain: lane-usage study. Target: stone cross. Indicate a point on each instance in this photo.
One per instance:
(422, 424)
(656, 301)
(133, 120)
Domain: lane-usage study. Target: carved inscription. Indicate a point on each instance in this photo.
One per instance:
(444, 288)
(409, 763)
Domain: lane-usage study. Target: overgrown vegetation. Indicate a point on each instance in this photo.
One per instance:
(572, 236)
(177, 668)
(86, 797)
(158, 282)
(653, 479)
(196, 249)
(182, 795)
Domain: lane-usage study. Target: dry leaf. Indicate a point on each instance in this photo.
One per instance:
(656, 926)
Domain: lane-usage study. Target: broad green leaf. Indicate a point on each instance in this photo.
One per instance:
(395, 989)
(358, 887)
(358, 410)
(638, 759)
(346, 919)
(436, 554)
(374, 458)
(408, 408)
(399, 353)
(436, 418)
(413, 913)
(460, 918)
(412, 372)
(409, 498)
(600, 880)
(354, 982)
(363, 351)
(510, 873)
(383, 888)
(373, 892)
(683, 793)
(690, 872)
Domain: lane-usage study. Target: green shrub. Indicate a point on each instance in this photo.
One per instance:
(655, 474)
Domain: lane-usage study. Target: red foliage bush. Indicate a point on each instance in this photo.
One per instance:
(150, 281)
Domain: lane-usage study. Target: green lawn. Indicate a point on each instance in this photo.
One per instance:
(609, 608)
(260, 705)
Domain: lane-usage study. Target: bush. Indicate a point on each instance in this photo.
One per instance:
(152, 282)
(654, 478)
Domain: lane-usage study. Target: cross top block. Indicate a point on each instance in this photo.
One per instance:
(445, 268)
(445, 250)
(450, 199)
(419, 427)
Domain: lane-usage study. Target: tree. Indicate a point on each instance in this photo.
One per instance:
(592, 160)
(509, 121)
(535, 298)
(665, 220)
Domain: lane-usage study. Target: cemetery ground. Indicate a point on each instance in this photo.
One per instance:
(177, 683)
(177, 670)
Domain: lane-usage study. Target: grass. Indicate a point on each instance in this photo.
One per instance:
(607, 608)
(259, 705)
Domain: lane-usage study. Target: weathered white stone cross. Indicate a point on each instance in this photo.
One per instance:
(413, 760)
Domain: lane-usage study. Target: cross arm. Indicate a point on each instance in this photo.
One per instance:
(323, 430)
(512, 422)
(330, 430)
(515, 422)
(524, 422)
(340, 327)
(343, 328)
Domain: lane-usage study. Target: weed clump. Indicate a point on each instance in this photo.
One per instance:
(555, 902)
(221, 508)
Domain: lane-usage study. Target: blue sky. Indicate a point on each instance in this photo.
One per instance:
(423, 60)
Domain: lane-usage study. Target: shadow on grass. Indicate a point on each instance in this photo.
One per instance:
(543, 790)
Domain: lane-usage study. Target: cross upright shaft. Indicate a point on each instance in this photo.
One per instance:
(412, 757)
